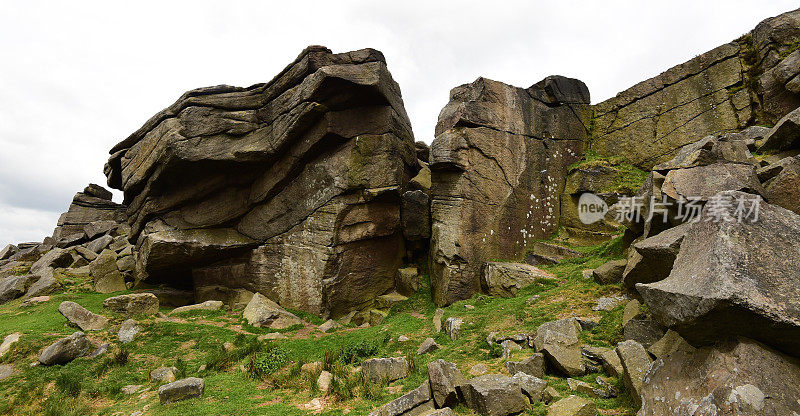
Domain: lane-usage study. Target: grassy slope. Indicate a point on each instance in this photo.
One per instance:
(92, 386)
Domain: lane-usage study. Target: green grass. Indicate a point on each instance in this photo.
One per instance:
(265, 378)
(628, 179)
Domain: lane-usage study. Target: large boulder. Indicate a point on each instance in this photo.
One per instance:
(133, 304)
(445, 379)
(703, 182)
(785, 135)
(506, 279)
(105, 273)
(783, 186)
(734, 277)
(384, 370)
(560, 343)
(14, 286)
(417, 401)
(91, 205)
(290, 188)
(82, 317)
(262, 312)
(533, 366)
(494, 395)
(635, 361)
(187, 388)
(498, 164)
(737, 377)
(65, 349)
(651, 259)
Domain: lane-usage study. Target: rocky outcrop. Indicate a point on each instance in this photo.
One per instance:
(734, 278)
(498, 165)
(290, 188)
(737, 377)
(89, 209)
(723, 90)
(506, 279)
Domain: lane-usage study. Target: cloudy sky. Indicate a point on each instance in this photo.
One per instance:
(77, 77)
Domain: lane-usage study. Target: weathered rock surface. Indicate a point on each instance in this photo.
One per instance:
(498, 165)
(734, 278)
(572, 406)
(66, 349)
(783, 188)
(262, 312)
(635, 362)
(559, 341)
(383, 370)
(133, 304)
(427, 346)
(452, 327)
(209, 305)
(533, 366)
(419, 398)
(82, 317)
(610, 272)
(506, 279)
(8, 341)
(738, 377)
(785, 135)
(163, 375)
(445, 380)
(709, 94)
(644, 331)
(606, 357)
(91, 205)
(14, 287)
(128, 330)
(670, 343)
(532, 387)
(185, 389)
(494, 395)
(290, 188)
(651, 259)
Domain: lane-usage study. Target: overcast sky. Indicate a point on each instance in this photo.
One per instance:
(76, 77)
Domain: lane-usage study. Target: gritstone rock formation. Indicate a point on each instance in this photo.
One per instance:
(290, 188)
(498, 164)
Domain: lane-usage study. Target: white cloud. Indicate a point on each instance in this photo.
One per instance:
(77, 77)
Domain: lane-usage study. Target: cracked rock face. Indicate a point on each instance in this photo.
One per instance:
(290, 188)
(498, 165)
(737, 377)
(648, 123)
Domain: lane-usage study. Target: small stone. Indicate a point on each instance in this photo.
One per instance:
(6, 371)
(452, 327)
(607, 303)
(311, 368)
(469, 307)
(427, 346)
(329, 325)
(402, 338)
(163, 375)
(128, 331)
(272, 336)
(437, 320)
(264, 313)
(35, 300)
(131, 389)
(445, 380)
(324, 381)
(383, 370)
(102, 349)
(187, 388)
(8, 341)
(509, 346)
(533, 365)
(581, 387)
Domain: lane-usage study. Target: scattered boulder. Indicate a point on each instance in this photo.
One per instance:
(478, 369)
(272, 336)
(14, 287)
(785, 135)
(163, 375)
(383, 370)
(133, 304)
(506, 279)
(328, 325)
(6, 371)
(445, 380)
(635, 362)
(644, 331)
(452, 327)
(263, 312)
(82, 317)
(107, 278)
(494, 395)
(209, 305)
(533, 366)
(710, 150)
(651, 259)
(582, 387)
(670, 343)
(65, 349)
(608, 303)
(418, 401)
(54, 258)
(736, 377)
(559, 341)
(388, 300)
(45, 284)
(128, 331)
(8, 341)
(509, 346)
(704, 182)
(407, 280)
(185, 389)
(437, 320)
(606, 357)
(632, 310)
(324, 381)
(748, 282)
(572, 406)
(131, 389)
(100, 244)
(783, 189)
(427, 346)
(610, 272)
(532, 387)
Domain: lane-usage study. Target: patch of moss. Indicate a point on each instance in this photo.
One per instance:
(628, 179)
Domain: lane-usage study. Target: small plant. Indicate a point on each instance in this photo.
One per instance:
(267, 362)
(495, 350)
(367, 348)
(411, 359)
(69, 384)
(182, 368)
(369, 389)
(60, 405)
(121, 357)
